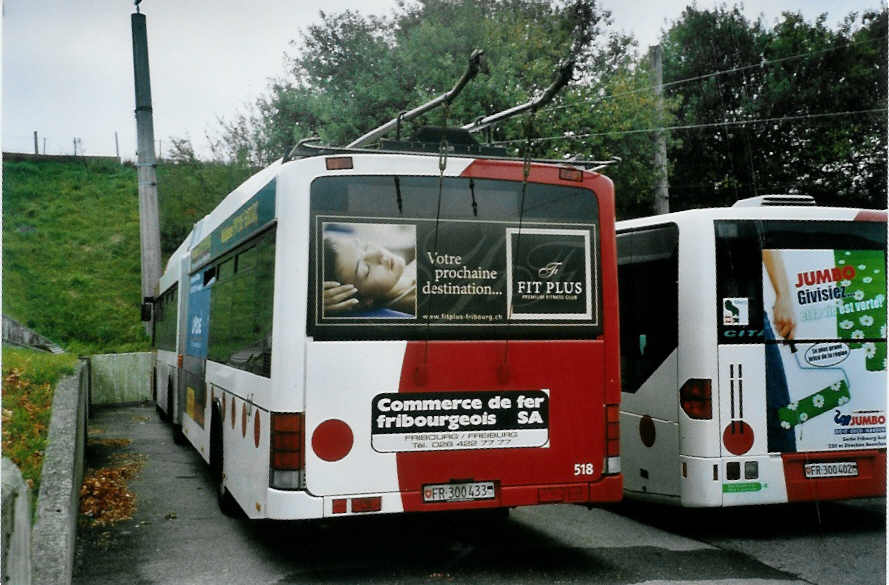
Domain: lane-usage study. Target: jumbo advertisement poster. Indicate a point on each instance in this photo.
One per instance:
(826, 385)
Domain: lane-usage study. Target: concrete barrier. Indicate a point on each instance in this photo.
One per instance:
(17, 334)
(16, 525)
(121, 378)
(58, 502)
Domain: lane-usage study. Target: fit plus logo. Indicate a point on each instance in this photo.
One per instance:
(549, 270)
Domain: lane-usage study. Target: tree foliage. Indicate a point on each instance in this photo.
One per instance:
(797, 108)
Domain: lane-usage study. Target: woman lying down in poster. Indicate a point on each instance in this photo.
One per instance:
(369, 270)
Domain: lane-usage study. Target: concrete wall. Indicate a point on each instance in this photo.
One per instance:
(17, 334)
(121, 378)
(16, 524)
(55, 529)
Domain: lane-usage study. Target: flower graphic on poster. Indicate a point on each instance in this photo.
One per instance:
(864, 310)
(817, 403)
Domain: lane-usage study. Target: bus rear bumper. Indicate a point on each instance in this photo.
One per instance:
(608, 489)
(870, 480)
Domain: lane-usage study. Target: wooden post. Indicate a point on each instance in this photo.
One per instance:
(662, 188)
(149, 225)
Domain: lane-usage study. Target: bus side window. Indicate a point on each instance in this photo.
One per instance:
(648, 272)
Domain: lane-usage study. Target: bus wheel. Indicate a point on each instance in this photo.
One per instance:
(227, 503)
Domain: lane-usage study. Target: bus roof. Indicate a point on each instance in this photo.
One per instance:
(770, 212)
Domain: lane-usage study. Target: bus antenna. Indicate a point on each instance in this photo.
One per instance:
(477, 62)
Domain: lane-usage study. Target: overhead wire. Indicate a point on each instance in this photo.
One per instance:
(761, 64)
(726, 123)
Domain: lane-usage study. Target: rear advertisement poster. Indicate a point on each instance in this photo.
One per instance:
(826, 388)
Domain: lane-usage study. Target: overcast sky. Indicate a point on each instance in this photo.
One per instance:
(68, 69)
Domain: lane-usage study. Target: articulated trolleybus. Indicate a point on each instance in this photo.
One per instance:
(377, 332)
(753, 353)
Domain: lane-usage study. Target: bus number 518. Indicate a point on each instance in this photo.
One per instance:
(583, 469)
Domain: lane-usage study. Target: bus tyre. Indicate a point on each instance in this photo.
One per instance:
(226, 502)
(178, 435)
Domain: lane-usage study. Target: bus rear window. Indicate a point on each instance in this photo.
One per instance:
(414, 258)
(800, 279)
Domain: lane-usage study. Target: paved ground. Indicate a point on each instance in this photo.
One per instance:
(177, 535)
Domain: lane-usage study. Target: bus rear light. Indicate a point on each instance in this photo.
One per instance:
(338, 506)
(695, 397)
(286, 480)
(339, 163)
(371, 504)
(285, 442)
(571, 175)
(287, 460)
(612, 430)
(612, 465)
(286, 452)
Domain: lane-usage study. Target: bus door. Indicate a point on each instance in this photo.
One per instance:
(477, 378)
(648, 275)
(803, 357)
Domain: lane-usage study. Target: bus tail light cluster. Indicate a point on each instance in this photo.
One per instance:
(612, 439)
(696, 398)
(286, 453)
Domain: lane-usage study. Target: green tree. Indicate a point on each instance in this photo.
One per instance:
(349, 74)
(787, 109)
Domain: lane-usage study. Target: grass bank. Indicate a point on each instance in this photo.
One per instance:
(29, 378)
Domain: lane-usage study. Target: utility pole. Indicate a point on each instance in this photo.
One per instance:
(116, 146)
(35, 143)
(149, 225)
(662, 187)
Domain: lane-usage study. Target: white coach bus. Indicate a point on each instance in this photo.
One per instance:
(753, 353)
(352, 332)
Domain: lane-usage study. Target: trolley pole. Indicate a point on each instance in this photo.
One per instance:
(662, 187)
(149, 226)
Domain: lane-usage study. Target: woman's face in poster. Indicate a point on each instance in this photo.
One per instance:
(372, 269)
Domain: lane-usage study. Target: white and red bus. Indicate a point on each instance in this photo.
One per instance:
(753, 354)
(354, 332)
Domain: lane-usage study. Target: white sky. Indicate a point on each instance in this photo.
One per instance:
(68, 68)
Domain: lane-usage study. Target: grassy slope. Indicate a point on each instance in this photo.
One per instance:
(28, 381)
(71, 267)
